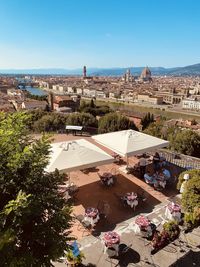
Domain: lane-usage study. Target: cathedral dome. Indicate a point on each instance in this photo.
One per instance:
(146, 73)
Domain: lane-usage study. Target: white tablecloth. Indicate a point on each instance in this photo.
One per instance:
(92, 220)
(172, 215)
(132, 203)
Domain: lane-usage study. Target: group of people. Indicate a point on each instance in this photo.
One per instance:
(160, 176)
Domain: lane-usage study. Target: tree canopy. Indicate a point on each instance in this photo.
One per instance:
(34, 217)
(115, 122)
(185, 142)
(191, 196)
(147, 120)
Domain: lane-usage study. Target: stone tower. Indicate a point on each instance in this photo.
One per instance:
(84, 72)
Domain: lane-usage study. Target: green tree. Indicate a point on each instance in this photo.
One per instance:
(115, 122)
(155, 129)
(191, 196)
(147, 120)
(34, 218)
(81, 119)
(185, 142)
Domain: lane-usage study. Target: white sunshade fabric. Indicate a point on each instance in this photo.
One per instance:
(129, 142)
(76, 155)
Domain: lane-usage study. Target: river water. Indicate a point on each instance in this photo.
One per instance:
(34, 90)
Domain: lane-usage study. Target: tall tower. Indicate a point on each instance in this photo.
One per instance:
(84, 72)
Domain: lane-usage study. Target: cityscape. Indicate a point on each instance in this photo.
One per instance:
(99, 148)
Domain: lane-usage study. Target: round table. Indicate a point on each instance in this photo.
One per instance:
(107, 178)
(141, 224)
(173, 212)
(131, 199)
(91, 215)
(111, 241)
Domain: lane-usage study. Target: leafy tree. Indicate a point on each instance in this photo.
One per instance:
(50, 122)
(115, 122)
(155, 129)
(34, 218)
(92, 104)
(81, 119)
(191, 196)
(147, 120)
(185, 142)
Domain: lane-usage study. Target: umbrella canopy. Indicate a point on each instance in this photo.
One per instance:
(129, 142)
(76, 155)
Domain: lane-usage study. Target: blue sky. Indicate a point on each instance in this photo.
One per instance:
(99, 33)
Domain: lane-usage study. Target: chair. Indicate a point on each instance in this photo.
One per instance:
(121, 200)
(83, 225)
(142, 195)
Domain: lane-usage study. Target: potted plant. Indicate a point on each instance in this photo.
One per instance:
(171, 229)
(74, 260)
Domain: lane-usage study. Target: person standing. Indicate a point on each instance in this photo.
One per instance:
(156, 161)
(142, 164)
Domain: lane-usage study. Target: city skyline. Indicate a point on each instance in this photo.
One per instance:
(105, 34)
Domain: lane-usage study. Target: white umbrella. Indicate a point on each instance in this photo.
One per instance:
(76, 155)
(129, 142)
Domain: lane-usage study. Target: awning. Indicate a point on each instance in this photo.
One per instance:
(129, 142)
(76, 155)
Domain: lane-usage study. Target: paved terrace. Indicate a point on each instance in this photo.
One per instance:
(120, 219)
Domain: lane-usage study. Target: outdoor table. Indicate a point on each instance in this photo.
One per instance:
(141, 223)
(111, 241)
(173, 212)
(131, 199)
(92, 215)
(160, 180)
(107, 178)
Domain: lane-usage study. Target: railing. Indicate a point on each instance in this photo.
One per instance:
(184, 161)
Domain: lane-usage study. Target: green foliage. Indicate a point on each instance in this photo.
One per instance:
(81, 119)
(77, 259)
(185, 142)
(93, 109)
(155, 129)
(171, 228)
(147, 120)
(50, 122)
(115, 122)
(34, 218)
(191, 196)
(192, 174)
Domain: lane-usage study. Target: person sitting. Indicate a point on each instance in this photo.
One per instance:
(166, 174)
(149, 179)
(156, 161)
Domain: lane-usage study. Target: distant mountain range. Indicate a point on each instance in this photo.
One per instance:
(193, 70)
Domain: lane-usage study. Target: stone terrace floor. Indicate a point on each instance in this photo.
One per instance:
(120, 219)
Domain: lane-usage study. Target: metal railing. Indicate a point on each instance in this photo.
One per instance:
(184, 161)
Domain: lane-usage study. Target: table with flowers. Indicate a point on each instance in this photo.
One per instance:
(142, 223)
(111, 240)
(131, 199)
(91, 215)
(173, 211)
(107, 178)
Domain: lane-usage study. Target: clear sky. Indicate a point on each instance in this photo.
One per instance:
(99, 33)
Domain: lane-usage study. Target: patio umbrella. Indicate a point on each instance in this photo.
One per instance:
(76, 155)
(129, 142)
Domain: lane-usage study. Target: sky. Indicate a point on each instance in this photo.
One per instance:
(99, 33)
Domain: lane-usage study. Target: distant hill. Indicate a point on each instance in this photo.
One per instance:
(193, 70)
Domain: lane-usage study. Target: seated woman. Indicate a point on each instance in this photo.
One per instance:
(149, 179)
(166, 174)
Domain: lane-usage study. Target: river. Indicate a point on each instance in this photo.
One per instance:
(34, 90)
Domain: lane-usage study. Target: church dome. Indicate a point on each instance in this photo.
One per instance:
(146, 73)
